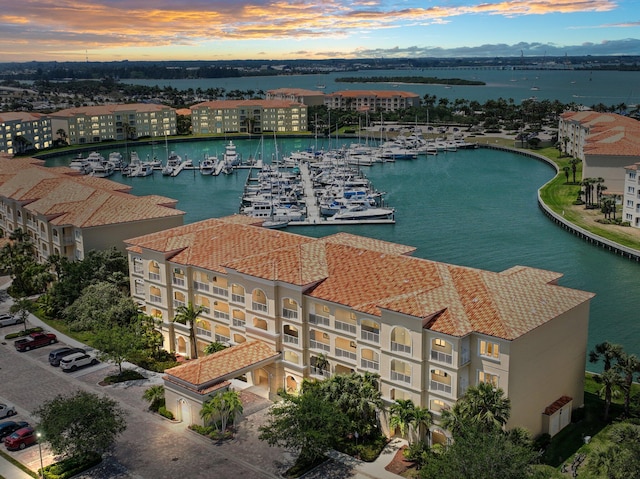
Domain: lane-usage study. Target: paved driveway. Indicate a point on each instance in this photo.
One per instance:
(151, 447)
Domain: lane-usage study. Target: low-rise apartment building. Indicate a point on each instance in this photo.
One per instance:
(22, 131)
(311, 308)
(248, 116)
(297, 95)
(605, 142)
(631, 195)
(371, 100)
(68, 214)
(93, 124)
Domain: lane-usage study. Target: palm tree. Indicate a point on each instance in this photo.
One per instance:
(62, 135)
(487, 406)
(606, 352)
(189, 315)
(422, 420)
(402, 415)
(628, 365)
(214, 348)
(223, 406)
(154, 395)
(574, 167)
(566, 170)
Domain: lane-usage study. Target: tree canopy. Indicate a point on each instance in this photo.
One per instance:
(80, 423)
(100, 305)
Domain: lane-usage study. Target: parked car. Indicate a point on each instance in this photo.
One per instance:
(57, 354)
(20, 439)
(34, 340)
(77, 360)
(8, 427)
(6, 410)
(9, 320)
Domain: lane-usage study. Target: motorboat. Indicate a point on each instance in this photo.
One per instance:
(208, 165)
(173, 162)
(80, 164)
(363, 212)
(102, 170)
(116, 160)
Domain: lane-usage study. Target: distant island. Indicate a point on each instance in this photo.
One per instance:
(425, 80)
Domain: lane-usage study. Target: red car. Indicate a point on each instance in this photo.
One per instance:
(20, 439)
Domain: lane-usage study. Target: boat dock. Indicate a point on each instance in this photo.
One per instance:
(313, 216)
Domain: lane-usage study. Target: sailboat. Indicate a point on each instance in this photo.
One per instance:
(274, 222)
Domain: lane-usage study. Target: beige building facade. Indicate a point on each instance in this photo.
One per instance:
(631, 195)
(346, 303)
(69, 215)
(248, 116)
(94, 124)
(371, 100)
(22, 131)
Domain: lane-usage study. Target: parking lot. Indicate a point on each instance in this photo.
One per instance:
(151, 447)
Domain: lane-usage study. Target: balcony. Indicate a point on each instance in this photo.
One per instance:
(238, 323)
(287, 338)
(259, 306)
(400, 348)
(319, 372)
(343, 353)
(237, 298)
(441, 357)
(319, 320)
(440, 387)
(155, 299)
(367, 364)
(219, 338)
(177, 303)
(313, 344)
(198, 286)
(154, 276)
(370, 336)
(220, 315)
(289, 313)
(177, 281)
(220, 291)
(203, 332)
(396, 376)
(348, 327)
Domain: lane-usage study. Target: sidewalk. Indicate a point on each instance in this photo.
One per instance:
(9, 471)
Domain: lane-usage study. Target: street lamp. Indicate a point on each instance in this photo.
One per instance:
(40, 450)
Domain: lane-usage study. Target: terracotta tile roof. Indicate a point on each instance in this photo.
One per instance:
(110, 109)
(204, 372)
(231, 104)
(295, 91)
(557, 405)
(370, 276)
(608, 133)
(6, 116)
(374, 93)
(82, 201)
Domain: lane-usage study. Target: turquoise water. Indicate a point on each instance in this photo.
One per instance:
(567, 86)
(473, 207)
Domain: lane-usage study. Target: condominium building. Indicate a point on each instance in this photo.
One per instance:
(371, 100)
(22, 131)
(248, 116)
(69, 214)
(298, 95)
(294, 307)
(93, 124)
(631, 195)
(605, 142)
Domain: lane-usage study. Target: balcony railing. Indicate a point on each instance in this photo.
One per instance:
(396, 376)
(400, 348)
(320, 320)
(368, 364)
(313, 344)
(217, 290)
(177, 303)
(290, 339)
(237, 298)
(369, 336)
(438, 386)
(320, 372)
(220, 315)
(219, 338)
(238, 323)
(348, 327)
(203, 332)
(154, 276)
(343, 353)
(138, 268)
(155, 299)
(441, 357)
(289, 313)
(199, 286)
(178, 281)
(259, 306)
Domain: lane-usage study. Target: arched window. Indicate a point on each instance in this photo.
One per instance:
(179, 299)
(401, 340)
(441, 351)
(260, 324)
(238, 318)
(222, 334)
(370, 330)
(400, 371)
(155, 295)
(239, 338)
(291, 334)
(237, 294)
(369, 359)
(289, 309)
(259, 301)
(154, 271)
(440, 381)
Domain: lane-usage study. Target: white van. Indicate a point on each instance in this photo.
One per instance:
(77, 360)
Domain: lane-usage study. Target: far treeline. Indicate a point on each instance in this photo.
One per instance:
(425, 80)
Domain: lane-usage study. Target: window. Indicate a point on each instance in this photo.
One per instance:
(489, 378)
(489, 350)
(441, 343)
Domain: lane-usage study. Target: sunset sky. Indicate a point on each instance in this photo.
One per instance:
(115, 30)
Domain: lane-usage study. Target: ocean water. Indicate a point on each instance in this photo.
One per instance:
(475, 208)
(567, 86)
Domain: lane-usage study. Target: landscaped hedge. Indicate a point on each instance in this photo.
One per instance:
(71, 466)
(20, 334)
(163, 411)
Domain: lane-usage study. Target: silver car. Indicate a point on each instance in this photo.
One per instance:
(9, 320)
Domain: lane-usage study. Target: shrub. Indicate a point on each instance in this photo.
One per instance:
(127, 375)
(19, 334)
(541, 442)
(71, 466)
(164, 412)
